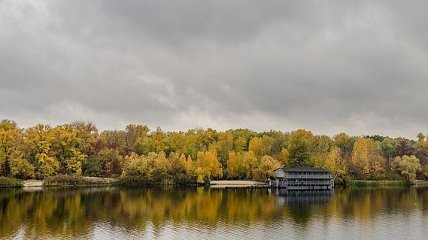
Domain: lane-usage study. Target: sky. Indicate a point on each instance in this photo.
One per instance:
(359, 67)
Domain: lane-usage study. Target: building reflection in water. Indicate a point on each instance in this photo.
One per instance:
(302, 197)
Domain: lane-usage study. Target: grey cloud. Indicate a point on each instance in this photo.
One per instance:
(357, 66)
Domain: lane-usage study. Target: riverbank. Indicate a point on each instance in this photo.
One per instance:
(420, 183)
(80, 181)
(6, 182)
(76, 181)
(376, 183)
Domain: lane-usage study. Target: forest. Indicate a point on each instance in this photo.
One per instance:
(159, 157)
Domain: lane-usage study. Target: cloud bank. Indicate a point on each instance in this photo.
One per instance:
(358, 67)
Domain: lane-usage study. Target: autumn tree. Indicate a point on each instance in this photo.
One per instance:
(224, 146)
(250, 163)
(367, 161)
(408, 166)
(134, 133)
(334, 163)
(67, 147)
(405, 147)
(183, 169)
(114, 140)
(321, 148)
(389, 150)
(106, 162)
(162, 169)
(12, 161)
(265, 168)
(208, 166)
(345, 144)
(236, 165)
(38, 144)
(88, 134)
(139, 168)
(300, 149)
(261, 145)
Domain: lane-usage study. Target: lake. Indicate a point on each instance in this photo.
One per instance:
(203, 213)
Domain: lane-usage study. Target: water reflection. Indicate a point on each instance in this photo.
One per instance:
(147, 212)
(302, 197)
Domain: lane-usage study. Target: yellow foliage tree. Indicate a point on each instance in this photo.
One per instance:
(208, 165)
(47, 165)
(367, 161)
(265, 168)
(261, 145)
(408, 166)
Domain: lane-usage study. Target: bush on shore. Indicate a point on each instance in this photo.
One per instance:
(6, 182)
(141, 181)
(73, 180)
(376, 183)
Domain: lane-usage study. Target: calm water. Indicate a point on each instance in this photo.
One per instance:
(213, 214)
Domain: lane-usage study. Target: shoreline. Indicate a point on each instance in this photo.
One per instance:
(73, 181)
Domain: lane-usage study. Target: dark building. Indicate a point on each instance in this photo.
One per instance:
(302, 179)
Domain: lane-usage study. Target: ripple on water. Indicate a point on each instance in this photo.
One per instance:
(212, 214)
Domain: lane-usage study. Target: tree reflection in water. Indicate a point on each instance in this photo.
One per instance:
(75, 213)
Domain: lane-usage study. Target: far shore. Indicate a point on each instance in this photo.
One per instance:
(73, 181)
(88, 181)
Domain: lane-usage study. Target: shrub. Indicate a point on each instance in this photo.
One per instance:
(6, 182)
(376, 184)
(72, 180)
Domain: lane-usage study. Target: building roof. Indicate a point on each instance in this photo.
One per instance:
(303, 169)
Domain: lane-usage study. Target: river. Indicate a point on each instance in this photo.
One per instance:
(203, 213)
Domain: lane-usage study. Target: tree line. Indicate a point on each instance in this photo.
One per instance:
(197, 155)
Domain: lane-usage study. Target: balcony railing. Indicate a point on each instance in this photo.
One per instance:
(312, 176)
(308, 183)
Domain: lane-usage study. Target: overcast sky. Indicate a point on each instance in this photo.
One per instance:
(359, 67)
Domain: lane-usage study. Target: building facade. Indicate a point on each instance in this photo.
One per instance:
(302, 179)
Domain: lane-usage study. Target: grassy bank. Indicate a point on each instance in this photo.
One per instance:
(376, 183)
(6, 182)
(137, 181)
(77, 181)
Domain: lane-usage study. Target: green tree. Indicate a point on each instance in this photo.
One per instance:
(321, 148)
(106, 162)
(68, 149)
(21, 168)
(134, 133)
(183, 169)
(389, 150)
(345, 143)
(408, 166)
(162, 169)
(300, 149)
